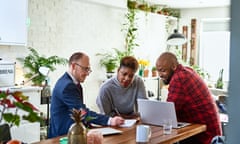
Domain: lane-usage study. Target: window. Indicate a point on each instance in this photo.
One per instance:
(215, 47)
(13, 17)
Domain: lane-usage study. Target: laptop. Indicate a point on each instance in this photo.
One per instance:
(155, 112)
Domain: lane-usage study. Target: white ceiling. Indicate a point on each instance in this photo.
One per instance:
(191, 3)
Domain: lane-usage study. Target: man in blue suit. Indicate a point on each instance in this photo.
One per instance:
(67, 94)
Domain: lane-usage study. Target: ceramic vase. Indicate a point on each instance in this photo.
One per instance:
(154, 73)
(5, 134)
(145, 73)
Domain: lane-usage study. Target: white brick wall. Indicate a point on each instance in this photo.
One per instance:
(61, 27)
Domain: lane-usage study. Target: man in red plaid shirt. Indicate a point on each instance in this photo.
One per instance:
(192, 99)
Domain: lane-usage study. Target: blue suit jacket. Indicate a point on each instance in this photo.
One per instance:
(65, 97)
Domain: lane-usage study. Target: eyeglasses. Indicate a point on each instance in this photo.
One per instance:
(86, 69)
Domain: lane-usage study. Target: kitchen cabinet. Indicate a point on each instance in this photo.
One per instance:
(13, 17)
(27, 132)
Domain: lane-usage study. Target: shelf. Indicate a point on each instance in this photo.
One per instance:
(217, 92)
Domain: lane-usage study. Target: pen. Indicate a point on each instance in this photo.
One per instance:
(116, 110)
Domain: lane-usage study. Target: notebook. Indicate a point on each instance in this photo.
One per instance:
(155, 112)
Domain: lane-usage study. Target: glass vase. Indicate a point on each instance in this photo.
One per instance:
(140, 72)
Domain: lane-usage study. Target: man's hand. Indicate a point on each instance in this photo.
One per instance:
(116, 121)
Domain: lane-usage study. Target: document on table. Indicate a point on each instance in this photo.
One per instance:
(108, 131)
(128, 123)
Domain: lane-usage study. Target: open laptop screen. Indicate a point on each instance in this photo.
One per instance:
(155, 112)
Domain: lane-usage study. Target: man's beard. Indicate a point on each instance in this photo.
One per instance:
(167, 81)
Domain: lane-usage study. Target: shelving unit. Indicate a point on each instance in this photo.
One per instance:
(153, 87)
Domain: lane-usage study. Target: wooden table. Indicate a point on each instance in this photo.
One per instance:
(129, 135)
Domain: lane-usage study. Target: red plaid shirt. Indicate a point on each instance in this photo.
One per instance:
(194, 103)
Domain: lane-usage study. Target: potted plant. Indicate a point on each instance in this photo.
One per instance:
(154, 71)
(131, 4)
(109, 62)
(34, 61)
(10, 105)
(142, 67)
(219, 83)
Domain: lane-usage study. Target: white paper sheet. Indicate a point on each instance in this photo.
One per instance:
(128, 123)
(108, 130)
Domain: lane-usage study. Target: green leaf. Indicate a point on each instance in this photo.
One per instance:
(89, 118)
(12, 118)
(32, 117)
(23, 107)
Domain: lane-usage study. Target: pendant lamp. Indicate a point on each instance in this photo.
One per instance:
(176, 38)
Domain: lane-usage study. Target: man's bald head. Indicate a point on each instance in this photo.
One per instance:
(166, 65)
(168, 58)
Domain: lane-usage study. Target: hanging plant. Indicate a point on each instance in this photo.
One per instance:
(154, 8)
(132, 4)
(171, 12)
(130, 27)
(111, 60)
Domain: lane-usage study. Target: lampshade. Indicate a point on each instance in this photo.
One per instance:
(44, 70)
(176, 38)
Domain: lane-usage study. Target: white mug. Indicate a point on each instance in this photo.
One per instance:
(143, 133)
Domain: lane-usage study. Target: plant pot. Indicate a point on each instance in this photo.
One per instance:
(144, 7)
(132, 4)
(110, 74)
(145, 73)
(5, 134)
(154, 73)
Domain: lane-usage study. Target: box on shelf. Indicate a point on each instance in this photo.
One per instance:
(7, 73)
